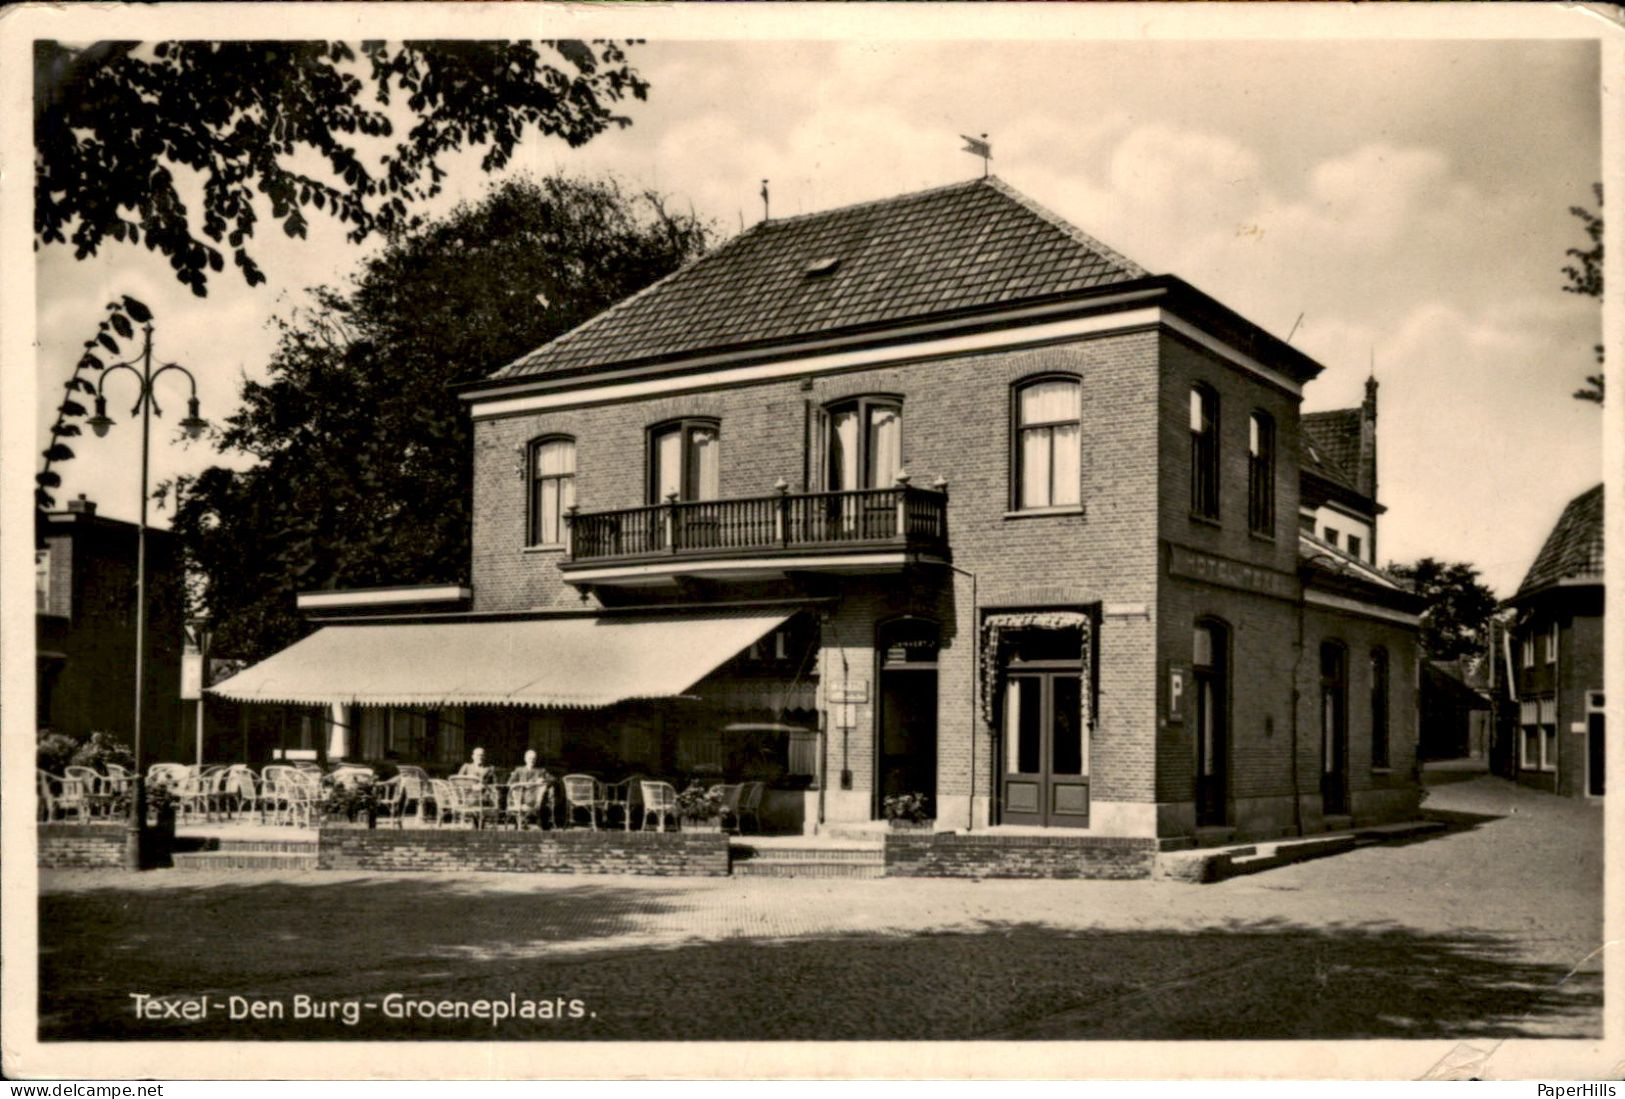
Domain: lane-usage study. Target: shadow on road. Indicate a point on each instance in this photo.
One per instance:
(615, 950)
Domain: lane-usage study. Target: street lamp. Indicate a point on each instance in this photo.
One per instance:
(194, 425)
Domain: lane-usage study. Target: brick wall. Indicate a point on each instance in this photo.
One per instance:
(949, 855)
(608, 852)
(81, 845)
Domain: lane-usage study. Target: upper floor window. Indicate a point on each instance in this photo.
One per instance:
(863, 444)
(552, 489)
(685, 460)
(1526, 650)
(1048, 414)
(1204, 452)
(1330, 534)
(1261, 474)
(1379, 708)
(1356, 548)
(1550, 638)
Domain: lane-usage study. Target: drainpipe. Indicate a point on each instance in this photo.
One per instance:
(975, 667)
(1297, 667)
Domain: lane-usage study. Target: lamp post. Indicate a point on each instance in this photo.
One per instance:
(147, 405)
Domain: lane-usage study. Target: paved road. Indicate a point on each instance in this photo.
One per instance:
(1475, 933)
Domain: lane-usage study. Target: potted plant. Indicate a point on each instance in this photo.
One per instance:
(349, 800)
(907, 813)
(700, 809)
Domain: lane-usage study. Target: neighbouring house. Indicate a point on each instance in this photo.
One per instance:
(1553, 699)
(1455, 709)
(935, 494)
(1339, 477)
(84, 630)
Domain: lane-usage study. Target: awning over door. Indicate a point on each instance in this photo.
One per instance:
(569, 662)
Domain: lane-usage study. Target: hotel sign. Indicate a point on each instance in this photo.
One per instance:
(1227, 572)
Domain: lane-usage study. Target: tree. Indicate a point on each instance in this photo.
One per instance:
(1586, 279)
(125, 131)
(1457, 607)
(365, 455)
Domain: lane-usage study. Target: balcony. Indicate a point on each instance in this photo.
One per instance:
(759, 537)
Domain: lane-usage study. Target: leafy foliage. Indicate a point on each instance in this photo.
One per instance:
(1455, 619)
(54, 751)
(697, 803)
(365, 455)
(102, 749)
(131, 138)
(122, 317)
(906, 807)
(1586, 279)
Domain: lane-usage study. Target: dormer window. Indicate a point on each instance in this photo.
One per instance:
(822, 268)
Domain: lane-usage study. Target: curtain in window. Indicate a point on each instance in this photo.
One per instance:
(372, 732)
(1050, 402)
(704, 458)
(885, 446)
(843, 451)
(1036, 452)
(668, 472)
(1047, 417)
(554, 489)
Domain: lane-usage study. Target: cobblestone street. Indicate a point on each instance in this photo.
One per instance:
(1486, 930)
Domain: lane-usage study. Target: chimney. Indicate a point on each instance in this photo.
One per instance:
(1367, 473)
(81, 506)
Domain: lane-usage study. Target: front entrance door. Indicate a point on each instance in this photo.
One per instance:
(906, 755)
(1212, 727)
(1045, 779)
(1334, 748)
(1596, 756)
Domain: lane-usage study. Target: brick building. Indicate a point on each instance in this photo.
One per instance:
(84, 629)
(935, 494)
(1553, 651)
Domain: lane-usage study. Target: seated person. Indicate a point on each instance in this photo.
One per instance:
(476, 767)
(532, 775)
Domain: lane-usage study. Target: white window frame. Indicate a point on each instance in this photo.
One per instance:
(1329, 535)
(1526, 650)
(42, 581)
(1549, 638)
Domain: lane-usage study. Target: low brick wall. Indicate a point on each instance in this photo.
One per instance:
(81, 845)
(568, 852)
(981, 855)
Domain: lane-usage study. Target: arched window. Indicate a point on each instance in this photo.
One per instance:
(685, 459)
(1261, 474)
(1047, 468)
(1333, 727)
(552, 489)
(1379, 708)
(863, 444)
(1204, 452)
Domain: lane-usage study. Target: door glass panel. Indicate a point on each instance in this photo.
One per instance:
(668, 472)
(1024, 715)
(885, 446)
(1205, 717)
(1328, 725)
(703, 463)
(1067, 729)
(843, 451)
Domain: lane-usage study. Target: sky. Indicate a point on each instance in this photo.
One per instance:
(1407, 199)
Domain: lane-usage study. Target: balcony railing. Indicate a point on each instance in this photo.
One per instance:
(902, 516)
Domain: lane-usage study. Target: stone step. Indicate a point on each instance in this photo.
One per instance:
(808, 868)
(744, 853)
(243, 860)
(273, 847)
(867, 832)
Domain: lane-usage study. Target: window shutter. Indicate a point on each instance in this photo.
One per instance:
(817, 456)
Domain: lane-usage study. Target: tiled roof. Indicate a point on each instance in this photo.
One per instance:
(1573, 551)
(1322, 554)
(958, 247)
(1331, 445)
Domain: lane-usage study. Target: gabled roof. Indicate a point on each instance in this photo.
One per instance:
(1325, 557)
(964, 246)
(1573, 551)
(1331, 445)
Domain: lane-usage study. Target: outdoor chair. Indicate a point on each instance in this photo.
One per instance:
(457, 802)
(45, 797)
(659, 803)
(61, 797)
(192, 796)
(750, 804)
(171, 773)
(730, 802)
(583, 792)
(119, 780)
(415, 791)
(273, 793)
(217, 788)
(304, 798)
(389, 799)
(98, 799)
(525, 799)
(243, 790)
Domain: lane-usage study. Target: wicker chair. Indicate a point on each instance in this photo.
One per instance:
(659, 803)
(415, 791)
(98, 797)
(458, 802)
(525, 799)
(582, 792)
(192, 795)
(243, 790)
(61, 797)
(750, 804)
(730, 802)
(389, 799)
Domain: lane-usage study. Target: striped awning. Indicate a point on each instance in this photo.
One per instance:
(550, 661)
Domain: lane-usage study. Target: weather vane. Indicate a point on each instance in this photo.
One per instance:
(979, 147)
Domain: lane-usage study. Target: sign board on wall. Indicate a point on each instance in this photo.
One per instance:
(191, 676)
(855, 691)
(1178, 678)
(1227, 572)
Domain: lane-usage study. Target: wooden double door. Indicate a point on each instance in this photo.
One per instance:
(1044, 779)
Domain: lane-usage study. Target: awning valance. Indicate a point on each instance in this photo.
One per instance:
(564, 662)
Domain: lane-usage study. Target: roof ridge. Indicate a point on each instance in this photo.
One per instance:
(1078, 235)
(888, 200)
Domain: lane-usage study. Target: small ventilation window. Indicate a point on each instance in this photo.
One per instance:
(822, 268)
